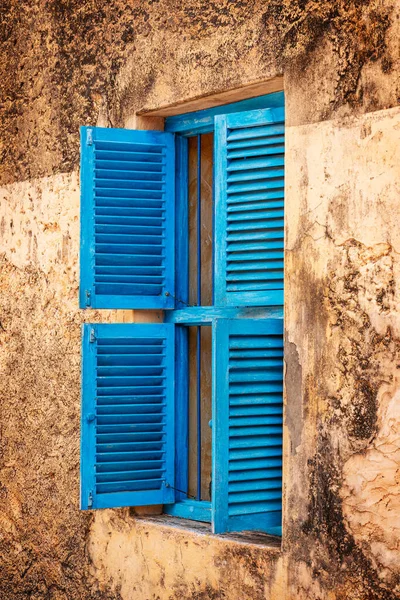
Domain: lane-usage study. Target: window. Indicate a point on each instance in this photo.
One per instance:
(187, 413)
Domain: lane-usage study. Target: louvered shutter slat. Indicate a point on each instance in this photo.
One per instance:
(127, 219)
(247, 425)
(127, 454)
(249, 159)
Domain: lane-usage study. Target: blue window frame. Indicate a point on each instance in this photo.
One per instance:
(265, 115)
(246, 316)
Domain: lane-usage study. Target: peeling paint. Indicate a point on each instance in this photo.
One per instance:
(293, 382)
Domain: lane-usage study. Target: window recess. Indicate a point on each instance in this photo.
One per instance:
(187, 413)
(194, 444)
(200, 197)
(238, 502)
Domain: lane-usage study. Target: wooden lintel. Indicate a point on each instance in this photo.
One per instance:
(252, 90)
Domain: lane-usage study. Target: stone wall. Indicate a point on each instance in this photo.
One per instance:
(66, 63)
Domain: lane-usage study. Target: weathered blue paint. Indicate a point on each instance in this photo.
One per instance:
(88, 424)
(247, 425)
(181, 412)
(249, 200)
(181, 224)
(128, 415)
(190, 509)
(198, 335)
(220, 413)
(202, 121)
(213, 236)
(87, 212)
(127, 219)
(267, 156)
(181, 333)
(205, 315)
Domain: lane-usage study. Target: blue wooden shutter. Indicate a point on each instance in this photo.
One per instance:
(127, 218)
(127, 429)
(247, 425)
(249, 195)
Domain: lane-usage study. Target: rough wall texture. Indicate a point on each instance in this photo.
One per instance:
(68, 63)
(43, 536)
(342, 304)
(148, 560)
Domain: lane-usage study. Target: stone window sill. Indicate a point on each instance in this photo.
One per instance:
(250, 538)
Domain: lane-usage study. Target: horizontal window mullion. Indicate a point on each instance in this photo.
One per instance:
(198, 315)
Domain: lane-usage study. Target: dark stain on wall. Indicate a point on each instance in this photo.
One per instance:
(258, 565)
(362, 349)
(323, 541)
(339, 563)
(61, 58)
(355, 29)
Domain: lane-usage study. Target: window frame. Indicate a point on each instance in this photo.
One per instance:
(179, 314)
(185, 126)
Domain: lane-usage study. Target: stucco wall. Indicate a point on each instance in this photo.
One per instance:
(342, 327)
(72, 63)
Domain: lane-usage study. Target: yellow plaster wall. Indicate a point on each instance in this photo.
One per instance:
(342, 276)
(342, 326)
(342, 349)
(144, 559)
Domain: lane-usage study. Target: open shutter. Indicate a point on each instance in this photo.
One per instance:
(247, 425)
(127, 429)
(127, 218)
(249, 193)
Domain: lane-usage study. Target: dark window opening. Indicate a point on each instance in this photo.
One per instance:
(200, 414)
(200, 198)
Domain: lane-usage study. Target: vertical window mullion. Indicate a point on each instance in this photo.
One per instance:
(182, 301)
(198, 349)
